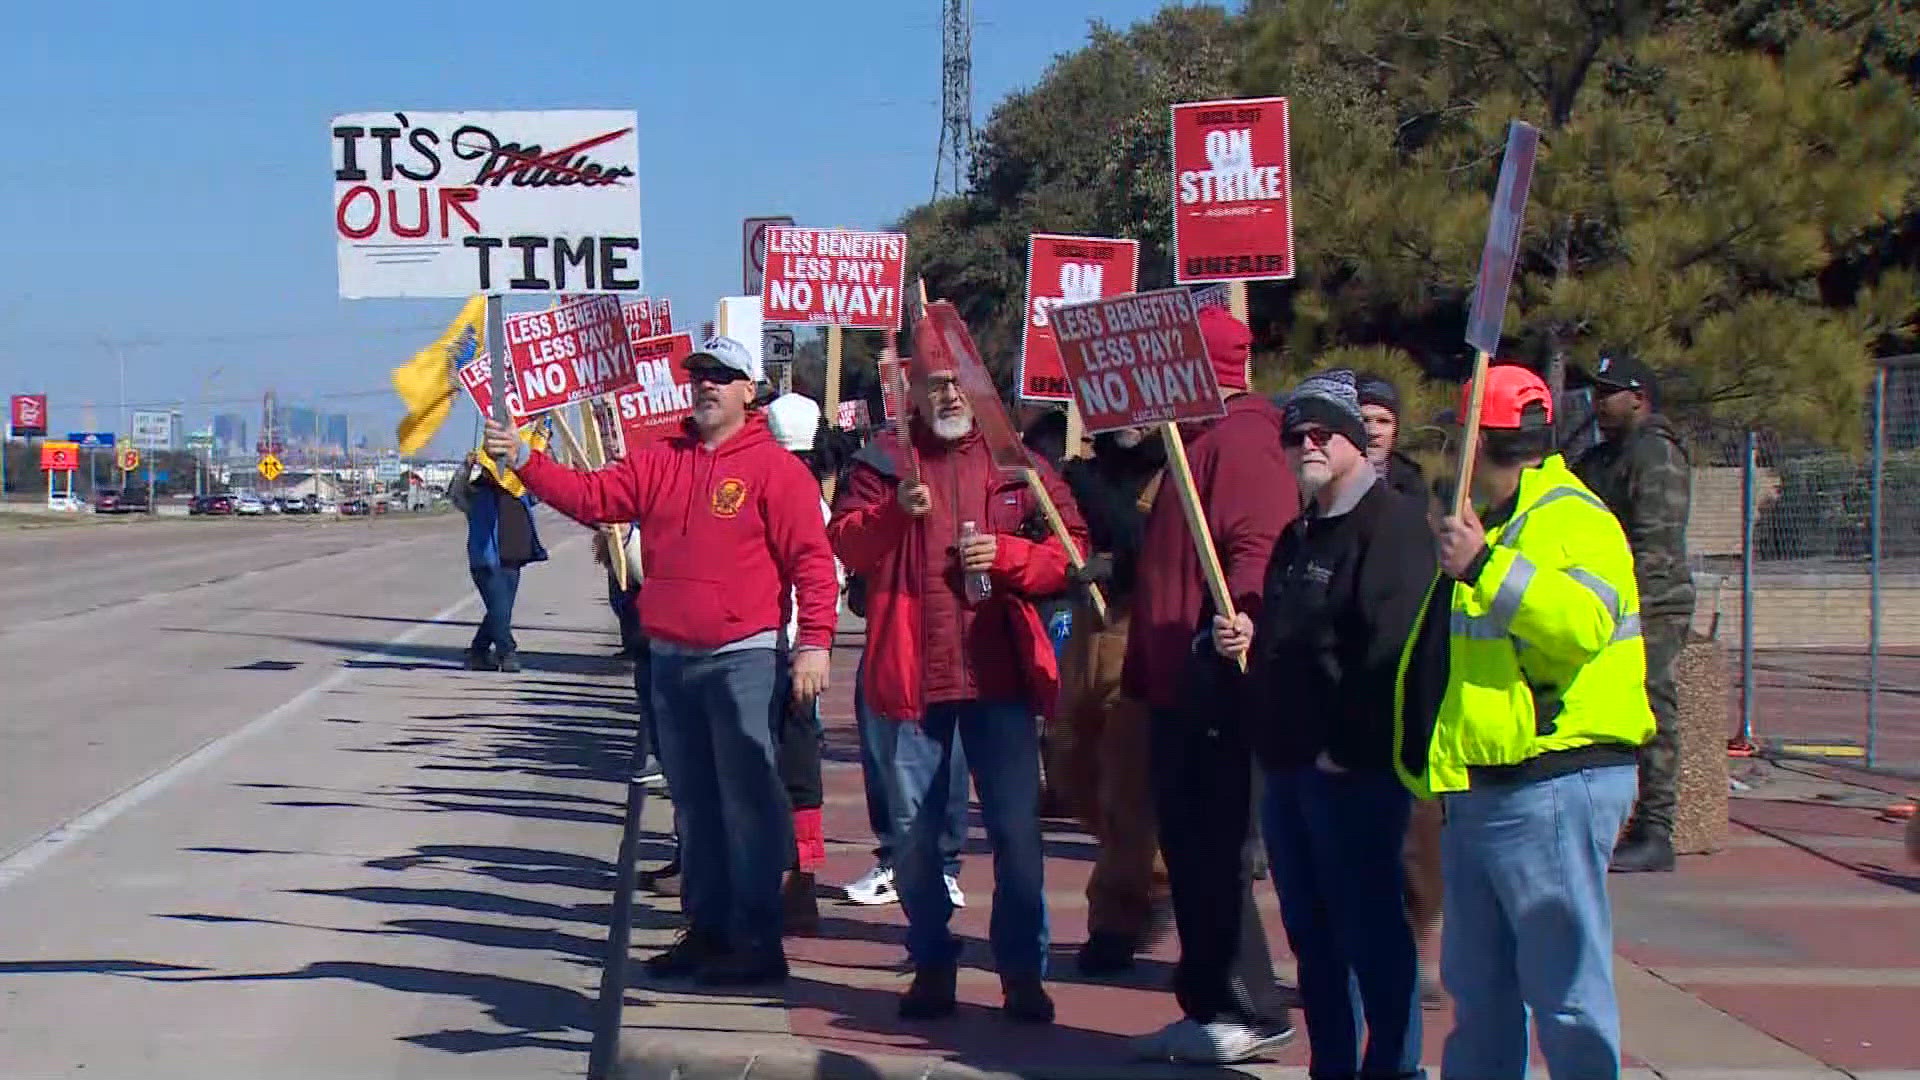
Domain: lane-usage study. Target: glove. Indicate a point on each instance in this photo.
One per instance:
(1098, 570)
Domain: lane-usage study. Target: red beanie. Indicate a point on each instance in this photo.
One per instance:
(1229, 343)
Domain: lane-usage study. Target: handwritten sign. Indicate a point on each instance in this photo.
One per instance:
(1138, 359)
(834, 277)
(456, 203)
(1066, 270)
(1232, 191)
(575, 350)
(662, 395)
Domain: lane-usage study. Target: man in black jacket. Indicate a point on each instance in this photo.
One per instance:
(1380, 408)
(1342, 592)
(1106, 734)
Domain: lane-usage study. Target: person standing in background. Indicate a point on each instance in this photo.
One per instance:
(501, 540)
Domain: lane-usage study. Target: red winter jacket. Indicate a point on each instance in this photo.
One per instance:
(1249, 495)
(726, 533)
(925, 646)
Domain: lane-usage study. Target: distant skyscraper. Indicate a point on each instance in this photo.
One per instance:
(333, 433)
(230, 436)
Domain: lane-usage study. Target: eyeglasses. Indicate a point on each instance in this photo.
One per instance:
(1320, 437)
(718, 376)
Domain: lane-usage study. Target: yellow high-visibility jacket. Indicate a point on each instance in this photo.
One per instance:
(1543, 652)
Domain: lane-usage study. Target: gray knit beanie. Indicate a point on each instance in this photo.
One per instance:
(1332, 400)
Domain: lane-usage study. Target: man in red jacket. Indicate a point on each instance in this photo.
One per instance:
(1202, 775)
(954, 647)
(729, 528)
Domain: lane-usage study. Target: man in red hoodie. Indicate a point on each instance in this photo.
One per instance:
(955, 648)
(1202, 775)
(730, 528)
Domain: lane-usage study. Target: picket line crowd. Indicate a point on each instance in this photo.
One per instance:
(1444, 712)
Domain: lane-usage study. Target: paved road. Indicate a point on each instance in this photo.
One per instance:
(255, 821)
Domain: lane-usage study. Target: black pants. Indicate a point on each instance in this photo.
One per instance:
(797, 752)
(1203, 794)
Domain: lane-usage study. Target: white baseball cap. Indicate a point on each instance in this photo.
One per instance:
(722, 352)
(795, 420)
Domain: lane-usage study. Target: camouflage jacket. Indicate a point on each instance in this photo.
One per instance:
(1647, 481)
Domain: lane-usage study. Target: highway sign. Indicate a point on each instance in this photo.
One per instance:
(92, 440)
(128, 459)
(270, 468)
(152, 429)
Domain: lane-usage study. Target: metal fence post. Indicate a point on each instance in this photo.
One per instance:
(1748, 466)
(1874, 510)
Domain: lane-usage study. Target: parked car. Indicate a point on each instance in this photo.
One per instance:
(249, 506)
(67, 502)
(355, 508)
(211, 505)
(120, 501)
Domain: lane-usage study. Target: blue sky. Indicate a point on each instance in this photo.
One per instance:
(167, 203)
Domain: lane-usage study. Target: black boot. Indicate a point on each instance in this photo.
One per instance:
(1106, 954)
(933, 995)
(1649, 851)
(799, 903)
(1023, 998)
(664, 881)
(510, 663)
(479, 660)
(688, 956)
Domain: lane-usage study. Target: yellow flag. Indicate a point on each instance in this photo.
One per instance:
(427, 384)
(536, 435)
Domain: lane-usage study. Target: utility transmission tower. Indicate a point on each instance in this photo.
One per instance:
(955, 154)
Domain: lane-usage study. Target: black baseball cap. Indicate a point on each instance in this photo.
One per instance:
(1619, 369)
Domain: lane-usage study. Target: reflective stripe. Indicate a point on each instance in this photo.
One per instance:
(1510, 535)
(1477, 627)
(1628, 629)
(1513, 589)
(1594, 584)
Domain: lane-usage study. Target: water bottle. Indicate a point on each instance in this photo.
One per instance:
(977, 584)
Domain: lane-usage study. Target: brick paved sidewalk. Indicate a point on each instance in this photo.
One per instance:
(1794, 953)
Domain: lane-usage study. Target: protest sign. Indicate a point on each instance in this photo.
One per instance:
(753, 251)
(477, 376)
(1232, 191)
(661, 397)
(941, 342)
(456, 203)
(1138, 359)
(835, 277)
(638, 316)
(897, 405)
(1502, 249)
(574, 350)
(852, 416)
(28, 415)
(1066, 270)
(662, 316)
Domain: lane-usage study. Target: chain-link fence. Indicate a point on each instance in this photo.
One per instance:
(1807, 563)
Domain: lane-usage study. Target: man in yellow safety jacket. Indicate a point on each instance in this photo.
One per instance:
(1522, 701)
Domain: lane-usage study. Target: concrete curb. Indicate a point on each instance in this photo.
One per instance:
(662, 1058)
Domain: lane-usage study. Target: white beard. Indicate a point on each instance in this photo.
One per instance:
(952, 428)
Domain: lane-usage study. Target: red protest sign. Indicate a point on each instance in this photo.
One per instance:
(1067, 270)
(575, 350)
(852, 416)
(898, 406)
(1137, 360)
(1502, 249)
(477, 376)
(661, 398)
(941, 343)
(662, 315)
(29, 415)
(834, 277)
(1232, 191)
(638, 315)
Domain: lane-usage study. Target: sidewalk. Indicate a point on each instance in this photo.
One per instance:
(1793, 953)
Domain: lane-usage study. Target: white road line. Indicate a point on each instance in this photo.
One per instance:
(37, 852)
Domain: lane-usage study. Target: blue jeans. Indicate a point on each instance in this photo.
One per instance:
(1334, 844)
(498, 586)
(1529, 929)
(715, 717)
(876, 750)
(1003, 749)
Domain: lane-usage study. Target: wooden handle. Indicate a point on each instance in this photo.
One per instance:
(1059, 527)
(1216, 578)
(1470, 435)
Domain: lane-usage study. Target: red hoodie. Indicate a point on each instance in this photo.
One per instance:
(726, 533)
(1249, 495)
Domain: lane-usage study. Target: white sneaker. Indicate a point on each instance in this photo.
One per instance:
(1228, 1042)
(874, 888)
(1160, 1045)
(954, 895)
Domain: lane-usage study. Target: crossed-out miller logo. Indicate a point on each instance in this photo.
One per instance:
(728, 496)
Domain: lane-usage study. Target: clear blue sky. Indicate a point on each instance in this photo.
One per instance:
(168, 192)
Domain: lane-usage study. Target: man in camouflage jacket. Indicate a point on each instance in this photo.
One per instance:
(1642, 473)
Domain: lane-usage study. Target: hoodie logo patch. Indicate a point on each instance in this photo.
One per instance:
(728, 497)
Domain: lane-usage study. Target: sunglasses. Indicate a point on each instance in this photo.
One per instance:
(718, 376)
(1319, 437)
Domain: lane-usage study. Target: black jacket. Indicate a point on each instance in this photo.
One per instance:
(1107, 487)
(1342, 593)
(1405, 476)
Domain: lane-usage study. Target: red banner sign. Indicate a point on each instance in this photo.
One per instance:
(1232, 191)
(477, 376)
(663, 397)
(638, 315)
(1137, 360)
(662, 316)
(29, 415)
(575, 350)
(941, 343)
(852, 416)
(834, 277)
(59, 456)
(1067, 270)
